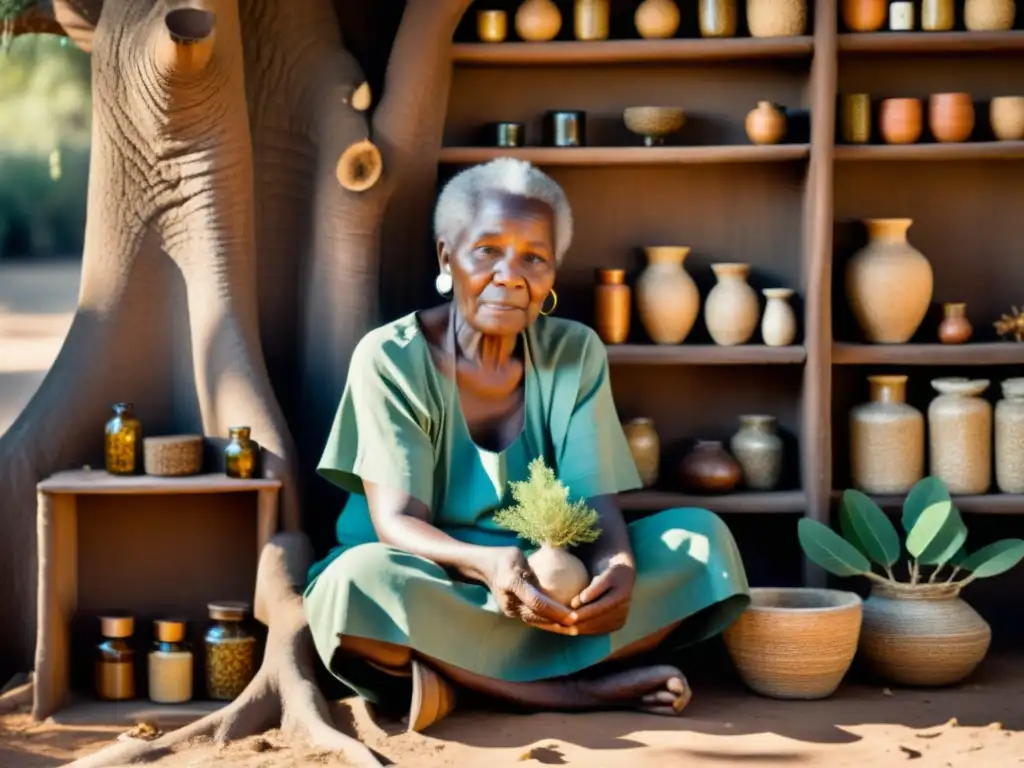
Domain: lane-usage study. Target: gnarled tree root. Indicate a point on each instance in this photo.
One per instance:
(284, 691)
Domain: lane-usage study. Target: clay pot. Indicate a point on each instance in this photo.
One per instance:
(538, 21)
(865, 15)
(758, 449)
(900, 120)
(937, 15)
(1006, 114)
(955, 328)
(886, 439)
(645, 446)
(778, 324)
(889, 283)
(656, 19)
(591, 19)
(960, 435)
(731, 310)
(989, 15)
(922, 635)
(765, 124)
(667, 298)
(612, 306)
(1009, 442)
(492, 26)
(950, 116)
(709, 468)
(717, 18)
(776, 18)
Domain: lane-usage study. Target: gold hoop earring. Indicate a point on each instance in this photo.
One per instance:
(555, 304)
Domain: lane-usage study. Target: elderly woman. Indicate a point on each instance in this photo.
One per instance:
(442, 410)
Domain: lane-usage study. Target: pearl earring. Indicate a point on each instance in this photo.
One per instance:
(443, 282)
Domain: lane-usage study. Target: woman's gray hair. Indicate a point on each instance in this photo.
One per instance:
(456, 205)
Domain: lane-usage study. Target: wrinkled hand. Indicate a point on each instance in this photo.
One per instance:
(603, 606)
(514, 588)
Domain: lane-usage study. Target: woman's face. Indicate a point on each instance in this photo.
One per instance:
(503, 268)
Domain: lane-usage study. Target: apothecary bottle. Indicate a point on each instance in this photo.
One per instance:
(960, 435)
(115, 659)
(1009, 442)
(240, 454)
(123, 441)
(886, 439)
(170, 663)
(230, 649)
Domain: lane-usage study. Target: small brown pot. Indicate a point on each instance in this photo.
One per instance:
(709, 468)
(765, 124)
(645, 446)
(900, 120)
(865, 15)
(955, 328)
(950, 116)
(1006, 114)
(612, 299)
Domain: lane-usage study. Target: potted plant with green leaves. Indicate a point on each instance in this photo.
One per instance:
(917, 631)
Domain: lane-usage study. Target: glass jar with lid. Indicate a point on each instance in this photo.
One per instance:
(170, 663)
(230, 651)
(115, 659)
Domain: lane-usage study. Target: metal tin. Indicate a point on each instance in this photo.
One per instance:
(565, 128)
(492, 26)
(507, 134)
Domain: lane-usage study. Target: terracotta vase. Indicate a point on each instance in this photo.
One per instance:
(989, 15)
(612, 300)
(709, 468)
(645, 446)
(937, 15)
(886, 439)
(1006, 115)
(778, 324)
(889, 283)
(765, 124)
(656, 19)
(666, 296)
(758, 449)
(865, 15)
(924, 635)
(955, 328)
(1009, 441)
(731, 310)
(538, 21)
(950, 116)
(776, 18)
(900, 120)
(717, 18)
(591, 19)
(960, 435)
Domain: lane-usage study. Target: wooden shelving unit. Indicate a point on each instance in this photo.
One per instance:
(705, 354)
(975, 150)
(608, 156)
(984, 353)
(960, 42)
(739, 502)
(989, 504)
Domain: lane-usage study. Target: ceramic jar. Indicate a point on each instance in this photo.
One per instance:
(645, 446)
(955, 328)
(591, 19)
(656, 19)
(492, 26)
(731, 310)
(717, 18)
(1006, 115)
(886, 439)
(960, 435)
(778, 324)
(901, 16)
(900, 120)
(765, 124)
(889, 283)
(925, 635)
(666, 296)
(709, 468)
(122, 441)
(989, 15)
(950, 116)
(776, 18)
(758, 449)
(538, 21)
(1009, 440)
(865, 15)
(612, 300)
(937, 15)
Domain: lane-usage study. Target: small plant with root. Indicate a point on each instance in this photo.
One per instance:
(544, 516)
(935, 540)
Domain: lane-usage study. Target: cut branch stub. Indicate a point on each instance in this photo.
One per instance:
(359, 166)
(186, 45)
(362, 98)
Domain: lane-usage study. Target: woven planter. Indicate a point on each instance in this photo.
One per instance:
(173, 455)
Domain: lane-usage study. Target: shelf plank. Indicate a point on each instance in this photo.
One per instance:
(704, 354)
(931, 42)
(90, 712)
(991, 503)
(739, 153)
(985, 353)
(572, 52)
(96, 481)
(768, 502)
(968, 150)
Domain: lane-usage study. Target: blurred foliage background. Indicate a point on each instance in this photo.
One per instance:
(45, 130)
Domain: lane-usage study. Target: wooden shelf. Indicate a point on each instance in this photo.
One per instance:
(704, 354)
(931, 42)
(741, 501)
(976, 150)
(985, 353)
(740, 153)
(86, 481)
(991, 503)
(571, 52)
(90, 712)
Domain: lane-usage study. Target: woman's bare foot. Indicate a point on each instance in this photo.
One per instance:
(659, 690)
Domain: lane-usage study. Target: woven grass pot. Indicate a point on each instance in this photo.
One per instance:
(795, 643)
(925, 635)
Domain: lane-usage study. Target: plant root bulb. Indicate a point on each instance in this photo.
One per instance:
(359, 166)
(560, 574)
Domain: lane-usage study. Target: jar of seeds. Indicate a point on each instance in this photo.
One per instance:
(123, 441)
(230, 651)
(115, 659)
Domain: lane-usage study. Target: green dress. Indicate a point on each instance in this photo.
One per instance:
(399, 424)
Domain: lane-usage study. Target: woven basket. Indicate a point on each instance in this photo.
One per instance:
(173, 455)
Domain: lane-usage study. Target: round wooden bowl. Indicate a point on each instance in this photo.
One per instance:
(654, 123)
(795, 643)
(173, 455)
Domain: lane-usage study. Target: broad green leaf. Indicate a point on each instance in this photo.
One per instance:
(925, 492)
(958, 557)
(868, 528)
(995, 559)
(947, 541)
(930, 527)
(828, 549)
